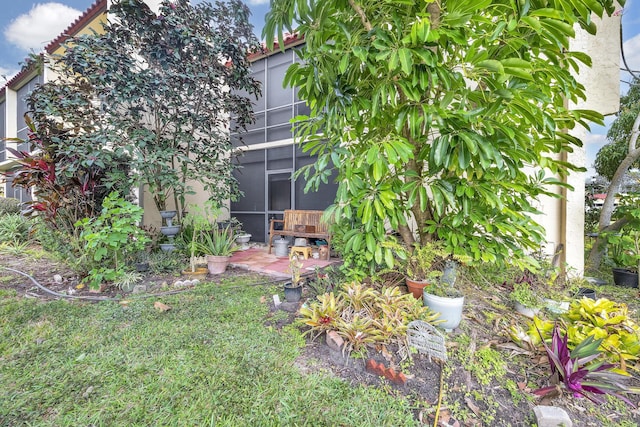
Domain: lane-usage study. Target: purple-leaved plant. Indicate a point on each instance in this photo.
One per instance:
(577, 371)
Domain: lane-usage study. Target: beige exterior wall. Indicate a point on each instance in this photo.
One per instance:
(152, 216)
(563, 218)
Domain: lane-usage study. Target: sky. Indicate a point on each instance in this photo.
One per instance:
(27, 26)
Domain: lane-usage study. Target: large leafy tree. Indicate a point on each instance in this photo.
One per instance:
(613, 161)
(160, 89)
(443, 119)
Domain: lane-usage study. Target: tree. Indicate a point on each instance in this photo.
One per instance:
(625, 153)
(611, 155)
(161, 90)
(447, 115)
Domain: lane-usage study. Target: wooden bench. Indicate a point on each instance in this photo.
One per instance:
(301, 223)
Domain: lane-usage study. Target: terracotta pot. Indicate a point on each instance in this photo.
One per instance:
(416, 287)
(217, 264)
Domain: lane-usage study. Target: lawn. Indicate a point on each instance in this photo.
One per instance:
(212, 359)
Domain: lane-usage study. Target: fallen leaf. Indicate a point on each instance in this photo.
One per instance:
(263, 299)
(472, 406)
(385, 353)
(522, 385)
(80, 286)
(124, 303)
(161, 307)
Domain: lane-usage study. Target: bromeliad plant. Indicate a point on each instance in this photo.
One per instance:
(364, 316)
(579, 373)
(218, 242)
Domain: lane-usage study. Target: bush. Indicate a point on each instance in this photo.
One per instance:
(14, 228)
(364, 316)
(603, 319)
(9, 206)
(112, 238)
(167, 262)
(62, 246)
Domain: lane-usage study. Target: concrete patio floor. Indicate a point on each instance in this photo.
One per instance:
(258, 260)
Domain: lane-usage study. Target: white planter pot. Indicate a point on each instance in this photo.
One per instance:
(526, 311)
(556, 307)
(450, 309)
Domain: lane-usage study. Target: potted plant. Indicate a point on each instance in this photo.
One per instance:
(242, 238)
(525, 300)
(424, 266)
(442, 297)
(624, 254)
(293, 289)
(218, 245)
(195, 225)
(624, 245)
(141, 261)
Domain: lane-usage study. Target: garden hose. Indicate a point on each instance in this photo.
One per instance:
(98, 299)
(58, 294)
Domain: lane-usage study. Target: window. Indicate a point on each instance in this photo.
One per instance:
(22, 108)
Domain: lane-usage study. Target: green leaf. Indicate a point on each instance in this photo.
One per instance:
(406, 59)
(491, 65)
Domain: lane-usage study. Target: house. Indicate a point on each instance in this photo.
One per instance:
(13, 105)
(271, 158)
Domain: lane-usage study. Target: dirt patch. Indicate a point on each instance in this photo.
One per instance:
(44, 271)
(474, 391)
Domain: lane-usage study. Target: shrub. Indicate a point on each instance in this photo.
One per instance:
(577, 369)
(112, 237)
(166, 262)
(61, 245)
(364, 316)
(9, 206)
(14, 228)
(604, 320)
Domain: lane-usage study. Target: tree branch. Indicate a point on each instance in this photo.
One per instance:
(360, 12)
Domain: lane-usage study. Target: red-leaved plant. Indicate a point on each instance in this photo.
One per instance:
(579, 373)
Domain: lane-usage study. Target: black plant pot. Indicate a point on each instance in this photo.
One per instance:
(292, 293)
(624, 277)
(586, 292)
(141, 267)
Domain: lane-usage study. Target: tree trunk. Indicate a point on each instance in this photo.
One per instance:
(604, 224)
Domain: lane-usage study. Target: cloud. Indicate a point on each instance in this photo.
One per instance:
(632, 53)
(592, 144)
(594, 139)
(257, 2)
(44, 22)
(6, 74)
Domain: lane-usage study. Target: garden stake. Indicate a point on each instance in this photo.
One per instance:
(441, 363)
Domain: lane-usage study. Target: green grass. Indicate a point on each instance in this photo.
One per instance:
(210, 360)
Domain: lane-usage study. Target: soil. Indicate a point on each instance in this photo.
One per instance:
(465, 401)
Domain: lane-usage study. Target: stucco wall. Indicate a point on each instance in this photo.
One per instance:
(564, 218)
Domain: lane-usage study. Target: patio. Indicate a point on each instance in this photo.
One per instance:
(257, 259)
